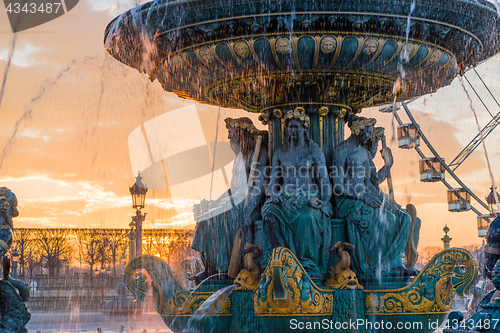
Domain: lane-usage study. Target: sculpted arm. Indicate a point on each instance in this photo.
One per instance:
(373, 145)
(388, 162)
(341, 187)
(322, 175)
(273, 190)
(347, 187)
(258, 188)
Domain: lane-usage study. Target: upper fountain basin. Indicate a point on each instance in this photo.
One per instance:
(257, 55)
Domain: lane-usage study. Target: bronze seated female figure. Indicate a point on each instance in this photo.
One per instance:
(297, 212)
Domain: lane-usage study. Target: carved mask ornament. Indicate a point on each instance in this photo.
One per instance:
(283, 45)
(241, 48)
(328, 45)
(370, 46)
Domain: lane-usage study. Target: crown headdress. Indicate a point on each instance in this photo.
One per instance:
(298, 113)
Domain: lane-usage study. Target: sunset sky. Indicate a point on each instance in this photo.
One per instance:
(69, 108)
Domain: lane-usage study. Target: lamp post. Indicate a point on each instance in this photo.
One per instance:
(131, 240)
(123, 262)
(15, 259)
(102, 281)
(108, 273)
(138, 192)
(446, 239)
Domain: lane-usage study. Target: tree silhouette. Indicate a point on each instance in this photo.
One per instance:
(54, 244)
(21, 241)
(117, 239)
(88, 246)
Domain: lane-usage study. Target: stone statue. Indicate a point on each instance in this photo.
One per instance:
(484, 308)
(13, 294)
(8, 210)
(378, 228)
(297, 212)
(488, 310)
(492, 248)
(219, 220)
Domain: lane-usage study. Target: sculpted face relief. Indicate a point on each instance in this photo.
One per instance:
(370, 46)
(283, 46)
(328, 44)
(241, 49)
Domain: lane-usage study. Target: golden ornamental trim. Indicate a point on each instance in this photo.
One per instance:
(431, 291)
(302, 296)
(342, 113)
(323, 111)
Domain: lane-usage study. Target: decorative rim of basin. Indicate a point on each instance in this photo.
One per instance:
(255, 55)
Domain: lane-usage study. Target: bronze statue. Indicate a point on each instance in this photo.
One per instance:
(8, 210)
(378, 228)
(13, 293)
(296, 213)
(219, 220)
(341, 275)
(249, 278)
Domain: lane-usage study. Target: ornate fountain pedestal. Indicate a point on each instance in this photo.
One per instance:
(288, 300)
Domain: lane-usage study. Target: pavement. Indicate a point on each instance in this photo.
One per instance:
(74, 320)
(86, 321)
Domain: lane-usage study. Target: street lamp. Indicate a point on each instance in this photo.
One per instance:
(101, 277)
(492, 199)
(138, 192)
(15, 259)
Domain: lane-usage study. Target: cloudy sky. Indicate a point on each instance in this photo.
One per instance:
(68, 111)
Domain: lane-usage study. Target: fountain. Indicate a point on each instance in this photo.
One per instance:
(318, 62)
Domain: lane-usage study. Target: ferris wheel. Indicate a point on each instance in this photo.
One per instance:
(433, 168)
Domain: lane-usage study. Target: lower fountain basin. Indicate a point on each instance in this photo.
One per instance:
(293, 301)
